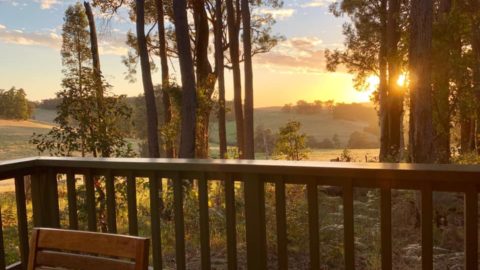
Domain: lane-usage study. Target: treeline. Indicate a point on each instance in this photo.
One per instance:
(426, 54)
(14, 104)
(305, 107)
(49, 104)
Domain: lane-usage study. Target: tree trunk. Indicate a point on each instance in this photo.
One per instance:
(152, 121)
(382, 87)
(420, 53)
(189, 95)
(219, 66)
(247, 52)
(475, 9)
(233, 31)
(205, 77)
(441, 86)
(97, 76)
(395, 93)
(167, 110)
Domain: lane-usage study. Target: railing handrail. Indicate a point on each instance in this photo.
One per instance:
(432, 172)
(424, 178)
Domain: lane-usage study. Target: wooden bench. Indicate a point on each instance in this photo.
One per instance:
(79, 250)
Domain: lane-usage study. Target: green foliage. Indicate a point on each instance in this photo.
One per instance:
(14, 104)
(291, 144)
(87, 121)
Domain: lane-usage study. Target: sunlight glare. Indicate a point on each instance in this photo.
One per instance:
(402, 80)
(373, 81)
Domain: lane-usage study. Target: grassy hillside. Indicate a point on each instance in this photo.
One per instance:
(14, 135)
(320, 125)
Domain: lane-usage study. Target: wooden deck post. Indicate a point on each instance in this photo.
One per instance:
(45, 199)
(255, 222)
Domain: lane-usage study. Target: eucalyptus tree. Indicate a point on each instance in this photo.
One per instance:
(374, 46)
(234, 48)
(152, 121)
(76, 133)
(189, 94)
(220, 70)
(248, 75)
(421, 133)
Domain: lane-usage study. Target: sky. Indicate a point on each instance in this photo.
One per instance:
(30, 41)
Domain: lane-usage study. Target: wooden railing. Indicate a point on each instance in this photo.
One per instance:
(254, 175)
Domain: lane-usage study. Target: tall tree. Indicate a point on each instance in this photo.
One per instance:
(443, 41)
(233, 31)
(395, 92)
(420, 52)
(189, 96)
(219, 66)
(383, 85)
(247, 50)
(167, 107)
(152, 120)
(475, 25)
(76, 132)
(97, 75)
(205, 76)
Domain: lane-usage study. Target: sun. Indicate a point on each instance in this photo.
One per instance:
(402, 80)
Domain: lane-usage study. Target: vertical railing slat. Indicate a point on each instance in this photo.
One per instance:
(72, 201)
(111, 203)
(179, 223)
(231, 222)
(281, 218)
(255, 222)
(386, 225)
(22, 218)
(2, 246)
(204, 222)
(90, 200)
(471, 228)
(348, 226)
(53, 197)
(312, 199)
(132, 204)
(427, 227)
(155, 219)
(45, 198)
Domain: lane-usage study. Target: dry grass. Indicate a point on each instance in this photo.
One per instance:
(23, 123)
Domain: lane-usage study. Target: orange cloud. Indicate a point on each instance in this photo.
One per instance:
(301, 54)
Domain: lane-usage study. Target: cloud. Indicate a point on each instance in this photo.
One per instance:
(113, 44)
(300, 54)
(278, 14)
(47, 4)
(47, 39)
(317, 3)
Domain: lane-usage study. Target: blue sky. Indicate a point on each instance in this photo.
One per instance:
(30, 40)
